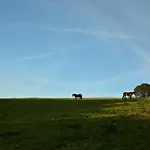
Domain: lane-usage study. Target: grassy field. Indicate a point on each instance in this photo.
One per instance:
(66, 124)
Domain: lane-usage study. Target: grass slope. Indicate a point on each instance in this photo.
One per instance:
(66, 124)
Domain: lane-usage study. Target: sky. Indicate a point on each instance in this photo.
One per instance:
(53, 48)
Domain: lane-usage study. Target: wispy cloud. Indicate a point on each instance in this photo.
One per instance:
(37, 56)
(27, 58)
(108, 26)
(120, 22)
(141, 52)
(99, 32)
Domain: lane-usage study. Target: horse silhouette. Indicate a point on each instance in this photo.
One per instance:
(77, 95)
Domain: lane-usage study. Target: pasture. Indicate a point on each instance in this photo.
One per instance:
(68, 124)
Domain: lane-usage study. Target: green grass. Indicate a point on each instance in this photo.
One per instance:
(66, 124)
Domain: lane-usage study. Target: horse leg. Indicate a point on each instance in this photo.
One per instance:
(123, 96)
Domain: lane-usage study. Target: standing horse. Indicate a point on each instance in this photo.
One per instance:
(127, 94)
(77, 95)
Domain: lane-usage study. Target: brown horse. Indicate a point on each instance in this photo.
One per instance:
(129, 94)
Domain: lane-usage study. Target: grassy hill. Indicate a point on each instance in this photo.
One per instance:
(68, 124)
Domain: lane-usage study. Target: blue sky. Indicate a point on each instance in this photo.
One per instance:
(53, 48)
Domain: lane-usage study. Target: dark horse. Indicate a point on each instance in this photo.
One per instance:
(127, 94)
(77, 95)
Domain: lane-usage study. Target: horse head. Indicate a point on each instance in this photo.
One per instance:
(73, 95)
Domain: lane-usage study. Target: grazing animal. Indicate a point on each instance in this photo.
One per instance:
(77, 95)
(127, 94)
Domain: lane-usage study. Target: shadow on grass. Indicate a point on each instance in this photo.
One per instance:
(51, 106)
(73, 125)
(23, 109)
(105, 133)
